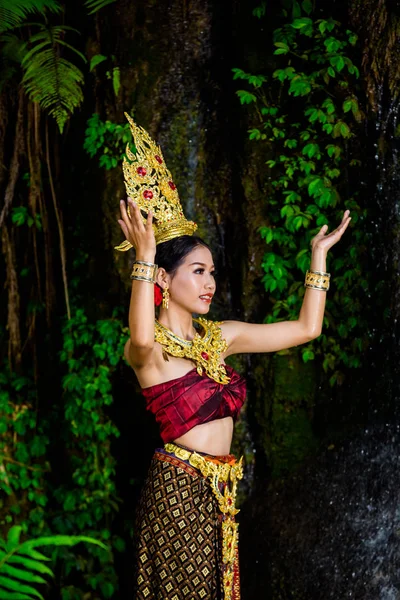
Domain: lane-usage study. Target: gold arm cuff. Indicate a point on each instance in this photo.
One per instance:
(317, 280)
(142, 271)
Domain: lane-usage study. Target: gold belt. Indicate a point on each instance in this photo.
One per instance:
(216, 474)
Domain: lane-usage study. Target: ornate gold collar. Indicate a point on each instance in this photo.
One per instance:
(204, 350)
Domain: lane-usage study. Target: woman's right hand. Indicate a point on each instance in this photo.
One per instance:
(140, 235)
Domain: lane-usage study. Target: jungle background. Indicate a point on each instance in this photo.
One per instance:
(274, 118)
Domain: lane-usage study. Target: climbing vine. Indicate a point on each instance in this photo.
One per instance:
(88, 498)
(305, 114)
(23, 447)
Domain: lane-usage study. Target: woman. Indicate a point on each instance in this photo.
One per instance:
(186, 530)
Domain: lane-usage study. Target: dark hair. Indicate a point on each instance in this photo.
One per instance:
(170, 255)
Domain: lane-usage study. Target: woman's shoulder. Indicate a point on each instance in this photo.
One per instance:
(228, 329)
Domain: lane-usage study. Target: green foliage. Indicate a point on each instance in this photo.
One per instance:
(96, 60)
(95, 5)
(307, 110)
(14, 12)
(20, 216)
(20, 563)
(106, 139)
(86, 500)
(89, 501)
(23, 445)
(49, 79)
(116, 80)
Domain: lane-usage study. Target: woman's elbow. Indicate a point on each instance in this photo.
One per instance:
(313, 333)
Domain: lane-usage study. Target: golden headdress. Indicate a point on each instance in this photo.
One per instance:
(149, 183)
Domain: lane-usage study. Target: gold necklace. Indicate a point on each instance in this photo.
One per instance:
(204, 350)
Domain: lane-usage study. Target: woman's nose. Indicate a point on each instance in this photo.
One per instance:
(211, 284)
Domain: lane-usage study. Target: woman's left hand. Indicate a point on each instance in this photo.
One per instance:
(324, 241)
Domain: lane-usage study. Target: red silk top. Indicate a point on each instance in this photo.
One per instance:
(184, 402)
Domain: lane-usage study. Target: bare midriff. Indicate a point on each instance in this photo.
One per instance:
(213, 438)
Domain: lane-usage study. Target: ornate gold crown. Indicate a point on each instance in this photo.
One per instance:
(149, 183)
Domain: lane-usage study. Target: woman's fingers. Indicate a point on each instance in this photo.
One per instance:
(124, 228)
(149, 222)
(124, 214)
(137, 231)
(327, 241)
(136, 216)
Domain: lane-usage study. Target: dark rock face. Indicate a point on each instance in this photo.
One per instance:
(333, 530)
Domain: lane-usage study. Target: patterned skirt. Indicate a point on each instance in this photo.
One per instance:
(186, 534)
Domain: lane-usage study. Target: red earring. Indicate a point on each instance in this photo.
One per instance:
(157, 294)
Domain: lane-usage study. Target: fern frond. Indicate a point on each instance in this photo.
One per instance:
(15, 580)
(14, 12)
(95, 5)
(49, 79)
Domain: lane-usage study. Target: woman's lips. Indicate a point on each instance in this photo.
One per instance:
(206, 299)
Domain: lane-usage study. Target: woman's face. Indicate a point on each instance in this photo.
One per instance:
(193, 284)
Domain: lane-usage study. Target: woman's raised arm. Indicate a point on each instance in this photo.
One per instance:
(139, 347)
(248, 337)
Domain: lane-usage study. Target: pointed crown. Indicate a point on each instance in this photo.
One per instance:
(149, 183)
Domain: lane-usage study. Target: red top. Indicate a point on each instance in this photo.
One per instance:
(184, 402)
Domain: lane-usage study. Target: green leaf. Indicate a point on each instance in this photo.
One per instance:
(337, 62)
(296, 10)
(311, 150)
(257, 80)
(4, 595)
(116, 80)
(307, 355)
(240, 74)
(333, 151)
(347, 105)
(246, 97)
(254, 134)
(260, 11)
(21, 574)
(96, 60)
(315, 186)
(287, 211)
(307, 6)
(300, 86)
(60, 540)
(17, 586)
(290, 144)
(341, 129)
(282, 46)
(267, 234)
(13, 537)
(14, 12)
(303, 22)
(52, 81)
(96, 5)
(19, 215)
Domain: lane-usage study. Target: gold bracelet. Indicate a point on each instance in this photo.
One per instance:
(317, 280)
(144, 271)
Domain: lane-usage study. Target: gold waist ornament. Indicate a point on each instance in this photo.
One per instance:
(228, 475)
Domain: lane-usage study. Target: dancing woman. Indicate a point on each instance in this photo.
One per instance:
(186, 530)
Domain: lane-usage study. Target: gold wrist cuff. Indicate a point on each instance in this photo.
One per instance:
(144, 271)
(317, 280)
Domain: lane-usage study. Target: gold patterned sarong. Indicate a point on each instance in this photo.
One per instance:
(186, 534)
